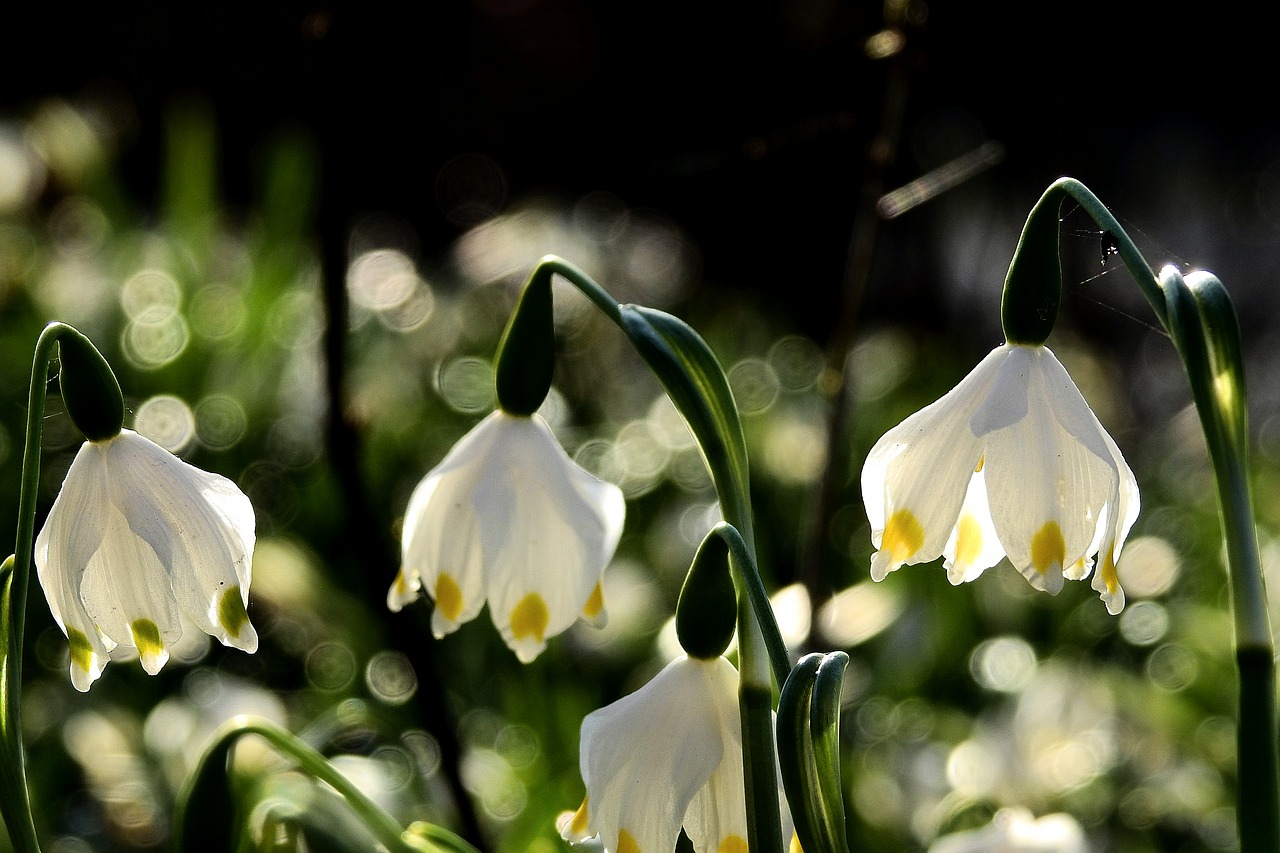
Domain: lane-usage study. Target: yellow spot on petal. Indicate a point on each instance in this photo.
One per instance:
(448, 596)
(903, 535)
(1048, 548)
(146, 636)
(578, 823)
(231, 613)
(81, 651)
(982, 460)
(627, 844)
(595, 603)
(529, 618)
(402, 586)
(968, 540)
(732, 844)
(1108, 571)
(794, 846)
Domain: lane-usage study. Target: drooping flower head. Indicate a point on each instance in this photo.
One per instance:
(507, 517)
(1010, 462)
(667, 756)
(136, 539)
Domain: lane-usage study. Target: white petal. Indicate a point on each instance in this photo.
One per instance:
(718, 811)
(1046, 488)
(200, 526)
(915, 477)
(127, 591)
(974, 545)
(548, 530)
(1123, 512)
(644, 757)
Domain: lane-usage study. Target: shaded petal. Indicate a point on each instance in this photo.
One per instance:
(200, 526)
(1123, 512)
(915, 477)
(127, 591)
(644, 757)
(1046, 488)
(717, 817)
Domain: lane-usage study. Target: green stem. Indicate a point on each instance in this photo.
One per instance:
(696, 383)
(17, 801)
(1206, 332)
(384, 827)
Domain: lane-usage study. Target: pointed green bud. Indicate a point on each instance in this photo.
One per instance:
(1033, 287)
(707, 612)
(527, 352)
(89, 388)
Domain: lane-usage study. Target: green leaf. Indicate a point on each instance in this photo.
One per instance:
(696, 383)
(809, 751)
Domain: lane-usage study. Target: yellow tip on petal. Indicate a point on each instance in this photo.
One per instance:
(231, 613)
(81, 651)
(595, 603)
(733, 844)
(903, 535)
(627, 844)
(1108, 571)
(968, 540)
(794, 846)
(982, 460)
(529, 618)
(448, 597)
(578, 823)
(151, 650)
(1048, 549)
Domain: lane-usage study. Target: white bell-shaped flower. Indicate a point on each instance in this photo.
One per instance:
(136, 537)
(666, 756)
(509, 518)
(1009, 462)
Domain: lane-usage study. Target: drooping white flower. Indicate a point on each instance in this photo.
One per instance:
(1009, 462)
(507, 517)
(1015, 830)
(135, 537)
(666, 756)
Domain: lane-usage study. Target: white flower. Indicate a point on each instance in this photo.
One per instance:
(668, 755)
(1014, 830)
(135, 538)
(507, 516)
(1010, 462)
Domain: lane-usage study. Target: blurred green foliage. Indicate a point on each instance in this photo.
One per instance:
(958, 700)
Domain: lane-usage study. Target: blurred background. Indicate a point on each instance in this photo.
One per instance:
(297, 230)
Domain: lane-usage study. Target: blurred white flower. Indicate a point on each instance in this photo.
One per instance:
(1014, 830)
(508, 516)
(1009, 462)
(135, 538)
(668, 755)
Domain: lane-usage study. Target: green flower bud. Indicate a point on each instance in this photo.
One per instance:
(707, 612)
(527, 352)
(89, 388)
(1033, 287)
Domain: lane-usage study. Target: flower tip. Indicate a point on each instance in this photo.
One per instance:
(882, 563)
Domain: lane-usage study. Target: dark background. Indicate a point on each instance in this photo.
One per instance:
(749, 124)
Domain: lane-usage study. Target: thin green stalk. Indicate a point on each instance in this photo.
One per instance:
(17, 800)
(384, 827)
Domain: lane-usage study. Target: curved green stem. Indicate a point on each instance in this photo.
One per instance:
(16, 802)
(696, 383)
(384, 827)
